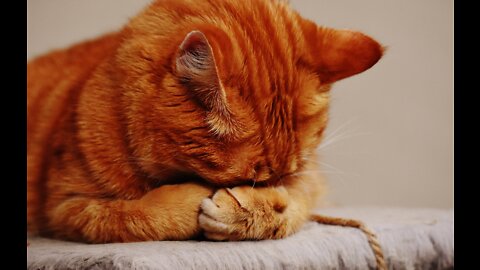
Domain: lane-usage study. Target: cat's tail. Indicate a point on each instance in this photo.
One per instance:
(372, 238)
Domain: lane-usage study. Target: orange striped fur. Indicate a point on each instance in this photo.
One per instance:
(160, 130)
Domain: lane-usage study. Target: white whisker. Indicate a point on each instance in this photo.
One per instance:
(340, 137)
(338, 129)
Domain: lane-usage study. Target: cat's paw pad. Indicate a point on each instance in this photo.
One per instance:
(243, 213)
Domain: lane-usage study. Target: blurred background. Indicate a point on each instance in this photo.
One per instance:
(390, 137)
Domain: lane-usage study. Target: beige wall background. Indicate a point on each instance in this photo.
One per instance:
(390, 139)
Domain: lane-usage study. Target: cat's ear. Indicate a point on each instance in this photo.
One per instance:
(196, 68)
(343, 53)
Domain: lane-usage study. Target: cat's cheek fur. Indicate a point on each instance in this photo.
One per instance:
(243, 213)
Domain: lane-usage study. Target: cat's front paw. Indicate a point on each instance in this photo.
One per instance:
(245, 213)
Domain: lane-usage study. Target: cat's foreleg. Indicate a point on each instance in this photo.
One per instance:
(168, 212)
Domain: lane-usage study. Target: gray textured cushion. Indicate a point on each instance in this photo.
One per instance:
(411, 239)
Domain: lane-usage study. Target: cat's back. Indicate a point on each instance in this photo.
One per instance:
(63, 68)
(53, 81)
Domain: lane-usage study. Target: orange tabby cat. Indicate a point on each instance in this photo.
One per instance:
(196, 117)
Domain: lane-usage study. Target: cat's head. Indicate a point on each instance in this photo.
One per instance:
(238, 92)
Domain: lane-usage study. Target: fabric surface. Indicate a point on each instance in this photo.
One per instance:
(411, 239)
